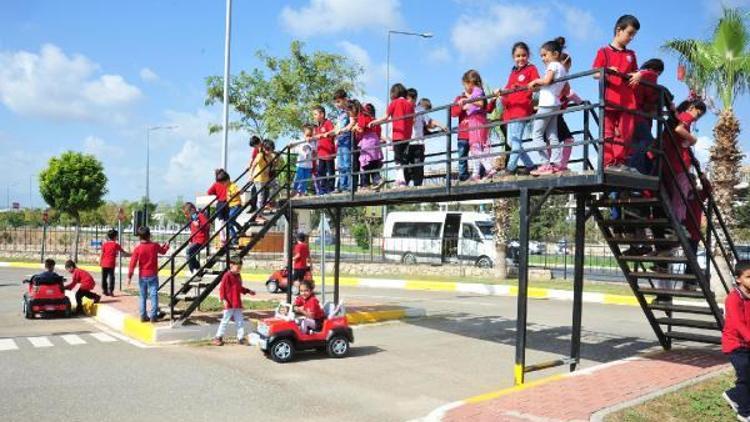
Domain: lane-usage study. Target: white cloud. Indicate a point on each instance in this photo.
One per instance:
(373, 73)
(580, 23)
(331, 16)
(51, 84)
(480, 34)
(148, 75)
(702, 150)
(102, 150)
(439, 55)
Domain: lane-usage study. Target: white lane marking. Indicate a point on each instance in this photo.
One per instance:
(72, 339)
(8, 344)
(103, 337)
(39, 341)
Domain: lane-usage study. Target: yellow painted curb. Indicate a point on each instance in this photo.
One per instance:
(143, 331)
(505, 391)
(363, 317)
(430, 285)
(620, 300)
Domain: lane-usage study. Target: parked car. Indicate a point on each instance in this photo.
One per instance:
(537, 248)
(563, 247)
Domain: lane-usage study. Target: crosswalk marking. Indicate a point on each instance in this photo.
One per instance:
(73, 339)
(103, 337)
(40, 341)
(8, 344)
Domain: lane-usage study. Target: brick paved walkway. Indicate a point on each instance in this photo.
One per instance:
(578, 396)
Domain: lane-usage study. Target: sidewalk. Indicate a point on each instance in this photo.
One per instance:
(587, 394)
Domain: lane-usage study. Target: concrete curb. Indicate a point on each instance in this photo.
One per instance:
(153, 334)
(600, 415)
(442, 286)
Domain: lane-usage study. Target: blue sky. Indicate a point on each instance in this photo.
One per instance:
(92, 75)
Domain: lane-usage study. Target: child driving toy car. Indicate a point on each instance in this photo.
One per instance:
(307, 305)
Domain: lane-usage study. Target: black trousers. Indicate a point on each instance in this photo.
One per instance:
(355, 168)
(740, 393)
(374, 177)
(193, 250)
(326, 175)
(108, 280)
(415, 155)
(80, 294)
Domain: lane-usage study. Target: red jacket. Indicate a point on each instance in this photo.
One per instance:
(519, 104)
(83, 278)
(695, 201)
(311, 304)
(219, 190)
(146, 256)
(199, 229)
(459, 112)
(110, 249)
(326, 145)
(231, 290)
(736, 333)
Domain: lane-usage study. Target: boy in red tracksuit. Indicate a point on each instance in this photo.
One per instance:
(309, 306)
(199, 234)
(230, 293)
(146, 257)
(735, 340)
(85, 285)
(110, 249)
(323, 133)
(619, 125)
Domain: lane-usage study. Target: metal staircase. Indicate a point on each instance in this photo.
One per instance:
(186, 295)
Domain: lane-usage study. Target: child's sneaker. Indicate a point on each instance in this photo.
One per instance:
(729, 401)
(543, 170)
(241, 342)
(490, 174)
(217, 341)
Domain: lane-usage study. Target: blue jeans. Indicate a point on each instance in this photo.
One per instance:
(515, 138)
(148, 286)
(234, 226)
(239, 321)
(344, 155)
(301, 179)
(463, 163)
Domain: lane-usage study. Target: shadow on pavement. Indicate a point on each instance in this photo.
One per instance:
(354, 352)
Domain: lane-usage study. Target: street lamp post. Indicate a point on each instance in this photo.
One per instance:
(227, 37)
(149, 129)
(388, 87)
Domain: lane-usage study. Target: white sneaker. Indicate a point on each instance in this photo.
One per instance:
(729, 401)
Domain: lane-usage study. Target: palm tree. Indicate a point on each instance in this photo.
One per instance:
(720, 65)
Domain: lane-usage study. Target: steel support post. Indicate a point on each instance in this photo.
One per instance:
(337, 256)
(580, 245)
(523, 287)
(289, 248)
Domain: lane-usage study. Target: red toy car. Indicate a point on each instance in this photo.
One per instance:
(279, 280)
(280, 337)
(46, 295)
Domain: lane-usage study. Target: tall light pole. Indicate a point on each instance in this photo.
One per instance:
(388, 86)
(150, 129)
(227, 37)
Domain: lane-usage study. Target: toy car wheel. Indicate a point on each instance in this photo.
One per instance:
(338, 347)
(282, 350)
(27, 310)
(272, 286)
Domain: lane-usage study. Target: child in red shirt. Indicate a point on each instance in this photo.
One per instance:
(200, 229)
(735, 339)
(678, 154)
(230, 293)
(619, 125)
(219, 190)
(309, 306)
(401, 128)
(324, 132)
(146, 257)
(110, 249)
(301, 258)
(85, 285)
(647, 101)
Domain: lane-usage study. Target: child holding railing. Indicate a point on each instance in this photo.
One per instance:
(476, 115)
(305, 153)
(370, 154)
(678, 154)
(402, 128)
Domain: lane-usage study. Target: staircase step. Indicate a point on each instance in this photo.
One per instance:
(657, 222)
(672, 292)
(700, 338)
(663, 276)
(670, 307)
(189, 298)
(646, 258)
(644, 240)
(693, 323)
(606, 203)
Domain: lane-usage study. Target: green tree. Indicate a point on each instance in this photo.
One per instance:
(73, 183)
(174, 214)
(276, 100)
(721, 65)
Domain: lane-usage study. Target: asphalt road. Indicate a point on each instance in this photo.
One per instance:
(397, 371)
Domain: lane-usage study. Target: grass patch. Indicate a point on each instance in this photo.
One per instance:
(213, 304)
(561, 260)
(699, 402)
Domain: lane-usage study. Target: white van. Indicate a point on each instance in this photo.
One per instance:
(436, 237)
